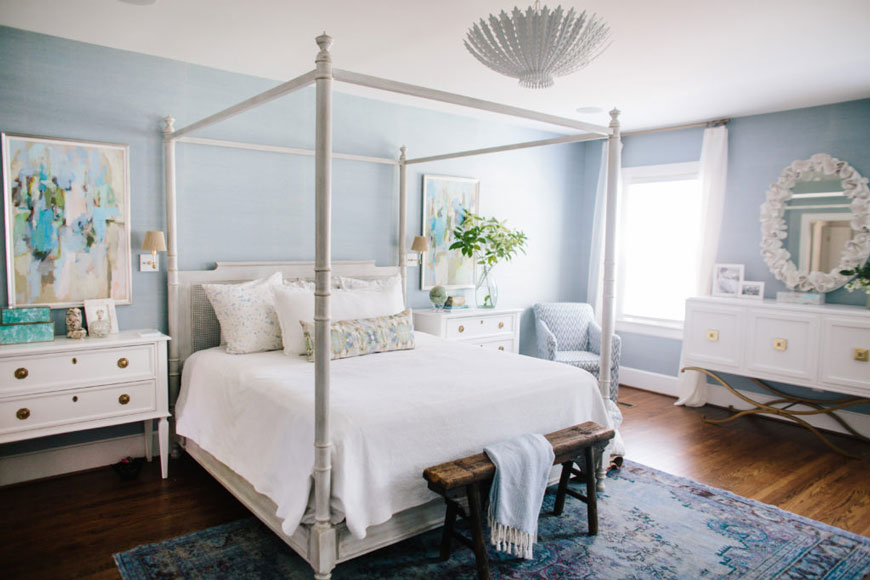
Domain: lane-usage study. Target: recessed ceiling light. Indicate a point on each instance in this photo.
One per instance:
(590, 110)
(139, 2)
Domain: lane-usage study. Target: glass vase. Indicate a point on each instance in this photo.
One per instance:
(486, 288)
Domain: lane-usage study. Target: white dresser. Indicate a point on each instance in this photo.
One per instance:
(71, 385)
(493, 328)
(824, 347)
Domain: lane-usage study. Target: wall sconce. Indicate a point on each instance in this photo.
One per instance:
(420, 245)
(154, 242)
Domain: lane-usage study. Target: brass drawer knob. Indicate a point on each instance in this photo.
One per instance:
(123, 363)
(713, 335)
(780, 344)
(124, 399)
(501, 324)
(23, 413)
(501, 348)
(75, 360)
(461, 328)
(862, 354)
(21, 373)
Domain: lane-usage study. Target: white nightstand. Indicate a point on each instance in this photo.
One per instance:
(494, 328)
(71, 385)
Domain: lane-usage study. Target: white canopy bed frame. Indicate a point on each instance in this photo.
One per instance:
(192, 325)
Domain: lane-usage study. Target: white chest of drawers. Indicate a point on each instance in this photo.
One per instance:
(824, 347)
(494, 328)
(71, 385)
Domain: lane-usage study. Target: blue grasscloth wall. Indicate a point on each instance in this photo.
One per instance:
(759, 148)
(242, 205)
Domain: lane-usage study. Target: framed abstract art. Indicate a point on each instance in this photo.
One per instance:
(445, 201)
(67, 221)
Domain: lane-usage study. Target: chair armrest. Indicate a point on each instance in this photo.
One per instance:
(547, 343)
(595, 341)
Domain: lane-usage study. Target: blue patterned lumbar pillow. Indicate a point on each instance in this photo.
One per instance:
(365, 335)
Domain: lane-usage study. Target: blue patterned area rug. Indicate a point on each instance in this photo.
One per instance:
(651, 525)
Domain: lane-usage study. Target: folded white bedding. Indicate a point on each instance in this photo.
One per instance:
(392, 415)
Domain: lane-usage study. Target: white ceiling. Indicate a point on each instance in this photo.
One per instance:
(670, 62)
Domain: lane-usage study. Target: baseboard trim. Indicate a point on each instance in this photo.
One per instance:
(68, 459)
(648, 381)
(721, 397)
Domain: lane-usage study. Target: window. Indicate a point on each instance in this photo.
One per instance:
(660, 238)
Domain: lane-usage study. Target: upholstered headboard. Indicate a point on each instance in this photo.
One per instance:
(196, 327)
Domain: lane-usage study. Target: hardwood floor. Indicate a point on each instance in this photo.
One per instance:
(69, 527)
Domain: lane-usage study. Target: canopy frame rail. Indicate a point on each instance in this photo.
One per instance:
(290, 86)
(283, 150)
(464, 101)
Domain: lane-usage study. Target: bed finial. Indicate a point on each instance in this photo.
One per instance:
(324, 41)
(168, 124)
(614, 117)
(403, 154)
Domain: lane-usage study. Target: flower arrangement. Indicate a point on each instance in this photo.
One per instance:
(489, 241)
(489, 238)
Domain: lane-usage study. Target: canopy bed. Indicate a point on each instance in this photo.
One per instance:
(346, 521)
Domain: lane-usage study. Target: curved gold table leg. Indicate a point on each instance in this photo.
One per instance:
(817, 407)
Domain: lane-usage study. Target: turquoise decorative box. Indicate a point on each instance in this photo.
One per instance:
(18, 333)
(25, 315)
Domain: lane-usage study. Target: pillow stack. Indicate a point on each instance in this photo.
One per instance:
(267, 314)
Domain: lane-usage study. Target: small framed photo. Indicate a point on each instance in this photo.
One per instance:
(753, 290)
(727, 279)
(102, 309)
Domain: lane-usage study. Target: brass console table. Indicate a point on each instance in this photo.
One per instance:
(782, 406)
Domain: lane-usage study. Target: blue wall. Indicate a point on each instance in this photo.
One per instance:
(759, 148)
(238, 205)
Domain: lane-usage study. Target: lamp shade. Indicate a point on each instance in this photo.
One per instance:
(421, 244)
(154, 242)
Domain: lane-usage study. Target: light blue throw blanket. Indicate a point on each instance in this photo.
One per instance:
(522, 468)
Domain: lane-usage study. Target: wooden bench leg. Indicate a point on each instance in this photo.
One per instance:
(591, 491)
(563, 487)
(476, 517)
(449, 526)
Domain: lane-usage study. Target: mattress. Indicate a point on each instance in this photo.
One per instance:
(392, 415)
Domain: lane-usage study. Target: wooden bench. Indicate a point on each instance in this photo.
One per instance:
(474, 474)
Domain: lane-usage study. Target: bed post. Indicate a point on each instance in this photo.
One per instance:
(607, 314)
(171, 255)
(323, 551)
(403, 210)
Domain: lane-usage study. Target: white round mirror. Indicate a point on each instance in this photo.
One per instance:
(816, 222)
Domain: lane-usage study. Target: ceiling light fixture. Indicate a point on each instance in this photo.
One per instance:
(538, 44)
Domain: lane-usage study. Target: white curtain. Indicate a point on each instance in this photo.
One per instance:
(714, 171)
(595, 282)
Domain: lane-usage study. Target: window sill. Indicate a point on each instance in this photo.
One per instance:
(672, 330)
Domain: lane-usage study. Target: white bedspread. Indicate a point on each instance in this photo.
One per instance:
(393, 415)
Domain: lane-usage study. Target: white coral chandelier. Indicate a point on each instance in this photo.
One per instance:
(539, 44)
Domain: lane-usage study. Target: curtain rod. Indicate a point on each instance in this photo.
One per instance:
(716, 123)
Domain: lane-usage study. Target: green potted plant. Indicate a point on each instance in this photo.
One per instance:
(488, 241)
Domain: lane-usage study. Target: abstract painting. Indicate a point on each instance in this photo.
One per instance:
(445, 201)
(67, 221)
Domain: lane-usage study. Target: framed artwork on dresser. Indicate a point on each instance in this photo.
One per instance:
(727, 279)
(445, 201)
(67, 216)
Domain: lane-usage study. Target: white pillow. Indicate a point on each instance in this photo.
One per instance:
(295, 305)
(246, 313)
(347, 283)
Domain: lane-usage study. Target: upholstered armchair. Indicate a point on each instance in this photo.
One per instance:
(567, 333)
